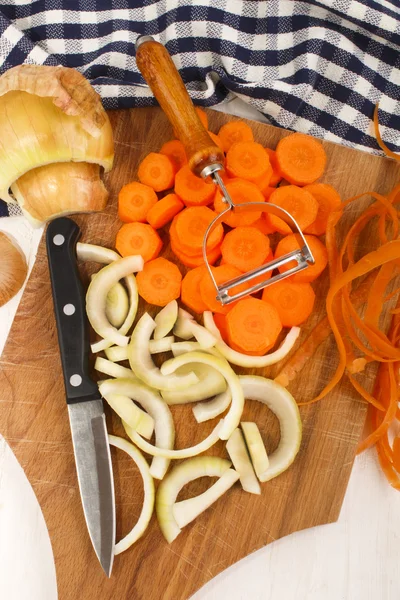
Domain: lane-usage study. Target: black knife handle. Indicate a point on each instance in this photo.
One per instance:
(69, 307)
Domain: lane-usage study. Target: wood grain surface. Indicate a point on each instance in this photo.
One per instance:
(34, 419)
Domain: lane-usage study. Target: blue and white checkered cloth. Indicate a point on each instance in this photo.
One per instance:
(318, 67)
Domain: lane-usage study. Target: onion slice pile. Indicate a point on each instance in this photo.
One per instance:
(244, 360)
(149, 493)
(210, 383)
(186, 328)
(177, 478)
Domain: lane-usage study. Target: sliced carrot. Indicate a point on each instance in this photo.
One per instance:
(216, 140)
(301, 158)
(247, 160)
(253, 326)
(328, 200)
(260, 278)
(202, 116)
(134, 202)
(233, 132)
(192, 190)
(159, 282)
(293, 301)
(157, 171)
(175, 151)
(138, 238)
(245, 248)
(276, 171)
(208, 292)
(195, 260)
(299, 203)
(190, 294)
(290, 243)
(241, 192)
(220, 322)
(264, 224)
(190, 227)
(164, 211)
(264, 183)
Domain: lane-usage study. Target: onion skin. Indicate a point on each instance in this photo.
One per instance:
(13, 269)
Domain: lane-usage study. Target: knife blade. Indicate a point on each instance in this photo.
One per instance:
(85, 405)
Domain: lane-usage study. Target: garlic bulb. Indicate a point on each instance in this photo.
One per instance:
(13, 269)
(60, 189)
(49, 115)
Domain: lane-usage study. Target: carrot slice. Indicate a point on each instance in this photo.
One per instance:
(245, 248)
(328, 200)
(202, 116)
(159, 282)
(290, 243)
(276, 171)
(247, 160)
(300, 204)
(253, 326)
(138, 238)
(233, 132)
(175, 151)
(241, 192)
(301, 158)
(134, 202)
(164, 211)
(195, 260)
(216, 140)
(190, 294)
(264, 183)
(222, 274)
(220, 322)
(192, 190)
(190, 227)
(294, 302)
(264, 224)
(157, 171)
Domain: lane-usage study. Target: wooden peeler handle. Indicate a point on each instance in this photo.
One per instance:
(159, 71)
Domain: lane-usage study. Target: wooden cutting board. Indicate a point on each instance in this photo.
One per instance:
(34, 420)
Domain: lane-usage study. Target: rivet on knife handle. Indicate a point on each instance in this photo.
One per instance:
(159, 71)
(69, 307)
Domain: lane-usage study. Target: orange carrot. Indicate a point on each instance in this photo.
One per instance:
(264, 183)
(328, 200)
(241, 192)
(164, 211)
(190, 227)
(202, 116)
(233, 132)
(264, 224)
(190, 294)
(192, 190)
(216, 140)
(290, 243)
(300, 204)
(301, 158)
(195, 260)
(220, 322)
(293, 301)
(245, 248)
(175, 151)
(157, 171)
(138, 238)
(159, 282)
(134, 202)
(260, 278)
(247, 160)
(253, 326)
(276, 171)
(208, 292)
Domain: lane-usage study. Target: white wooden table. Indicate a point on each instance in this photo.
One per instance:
(356, 558)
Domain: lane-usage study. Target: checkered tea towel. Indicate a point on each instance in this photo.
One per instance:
(318, 67)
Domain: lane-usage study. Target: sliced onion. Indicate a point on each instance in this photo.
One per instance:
(117, 353)
(244, 360)
(182, 328)
(177, 478)
(127, 410)
(96, 296)
(255, 446)
(179, 348)
(241, 461)
(165, 319)
(187, 511)
(149, 493)
(284, 406)
(117, 305)
(153, 404)
(232, 419)
(162, 345)
(110, 368)
(95, 253)
(210, 383)
(204, 411)
(142, 364)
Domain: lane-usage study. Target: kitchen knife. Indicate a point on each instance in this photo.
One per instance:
(85, 406)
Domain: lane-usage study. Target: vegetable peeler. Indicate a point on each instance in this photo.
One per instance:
(207, 160)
